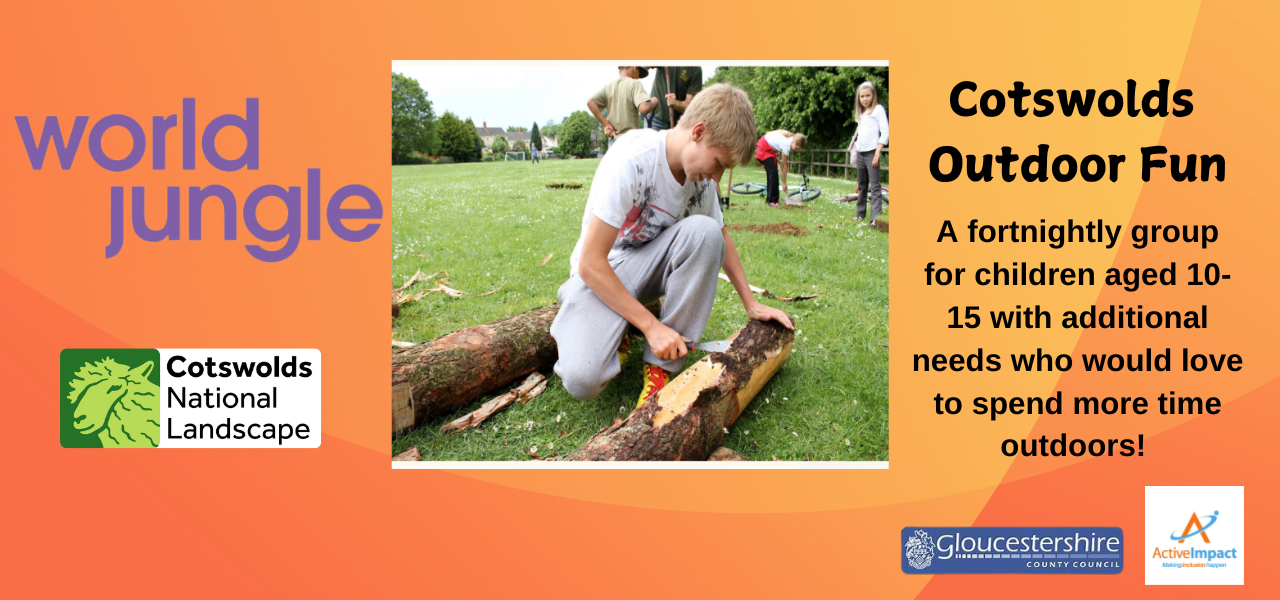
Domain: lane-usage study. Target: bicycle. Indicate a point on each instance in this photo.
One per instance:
(805, 193)
(747, 188)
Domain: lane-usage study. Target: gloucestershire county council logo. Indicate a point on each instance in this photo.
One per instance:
(1038, 550)
(920, 550)
(1199, 529)
(110, 398)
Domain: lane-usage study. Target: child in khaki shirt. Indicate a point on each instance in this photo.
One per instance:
(625, 99)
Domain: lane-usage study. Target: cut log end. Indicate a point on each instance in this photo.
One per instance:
(687, 419)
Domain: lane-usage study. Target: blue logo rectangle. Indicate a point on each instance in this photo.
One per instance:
(1050, 550)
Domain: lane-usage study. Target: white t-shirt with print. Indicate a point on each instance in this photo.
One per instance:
(635, 191)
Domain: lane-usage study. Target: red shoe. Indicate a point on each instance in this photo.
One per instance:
(655, 378)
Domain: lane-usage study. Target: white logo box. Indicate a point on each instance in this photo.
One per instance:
(1168, 513)
(273, 394)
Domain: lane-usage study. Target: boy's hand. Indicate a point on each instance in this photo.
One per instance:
(875, 160)
(609, 130)
(665, 342)
(760, 312)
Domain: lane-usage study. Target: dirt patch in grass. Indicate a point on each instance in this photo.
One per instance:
(569, 185)
(774, 228)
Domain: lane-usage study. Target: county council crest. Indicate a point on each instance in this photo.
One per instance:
(920, 550)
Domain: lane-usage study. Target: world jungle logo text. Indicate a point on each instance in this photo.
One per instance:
(336, 215)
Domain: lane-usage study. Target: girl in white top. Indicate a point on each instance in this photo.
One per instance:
(865, 147)
(773, 151)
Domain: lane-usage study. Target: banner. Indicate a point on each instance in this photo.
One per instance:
(1053, 375)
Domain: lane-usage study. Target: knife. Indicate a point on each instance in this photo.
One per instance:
(719, 346)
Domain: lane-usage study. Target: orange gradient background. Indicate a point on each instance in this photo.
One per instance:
(338, 521)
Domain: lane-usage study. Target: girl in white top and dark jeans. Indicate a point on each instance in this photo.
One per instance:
(774, 148)
(868, 141)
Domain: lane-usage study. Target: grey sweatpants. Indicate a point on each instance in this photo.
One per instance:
(868, 181)
(681, 262)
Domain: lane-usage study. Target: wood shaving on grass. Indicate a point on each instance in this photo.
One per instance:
(442, 286)
(526, 391)
(768, 294)
(408, 455)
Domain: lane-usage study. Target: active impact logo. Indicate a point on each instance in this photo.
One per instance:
(1199, 529)
(1049, 550)
(1203, 561)
(110, 398)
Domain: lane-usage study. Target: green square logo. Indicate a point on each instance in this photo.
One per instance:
(110, 398)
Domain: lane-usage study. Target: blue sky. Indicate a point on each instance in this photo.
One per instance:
(510, 93)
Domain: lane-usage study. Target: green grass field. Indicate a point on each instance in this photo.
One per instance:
(491, 224)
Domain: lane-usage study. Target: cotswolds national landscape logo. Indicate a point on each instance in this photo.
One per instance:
(110, 398)
(189, 398)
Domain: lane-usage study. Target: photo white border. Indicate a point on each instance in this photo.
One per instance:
(643, 465)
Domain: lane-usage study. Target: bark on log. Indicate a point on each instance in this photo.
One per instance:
(687, 419)
(452, 370)
(455, 369)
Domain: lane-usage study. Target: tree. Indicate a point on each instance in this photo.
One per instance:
(519, 146)
(477, 144)
(499, 144)
(551, 128)
(742, 77)
(456, 139)
(817, 101)
(535, 138)
(575, 134)
(413, 123)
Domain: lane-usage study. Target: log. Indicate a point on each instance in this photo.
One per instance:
(687, 419)
(453, 370)
(401, 408)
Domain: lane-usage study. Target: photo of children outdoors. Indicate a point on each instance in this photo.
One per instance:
(654, 263)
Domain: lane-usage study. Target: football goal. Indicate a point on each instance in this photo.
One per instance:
(514, 156)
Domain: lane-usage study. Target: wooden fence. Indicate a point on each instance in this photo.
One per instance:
(833, 162)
